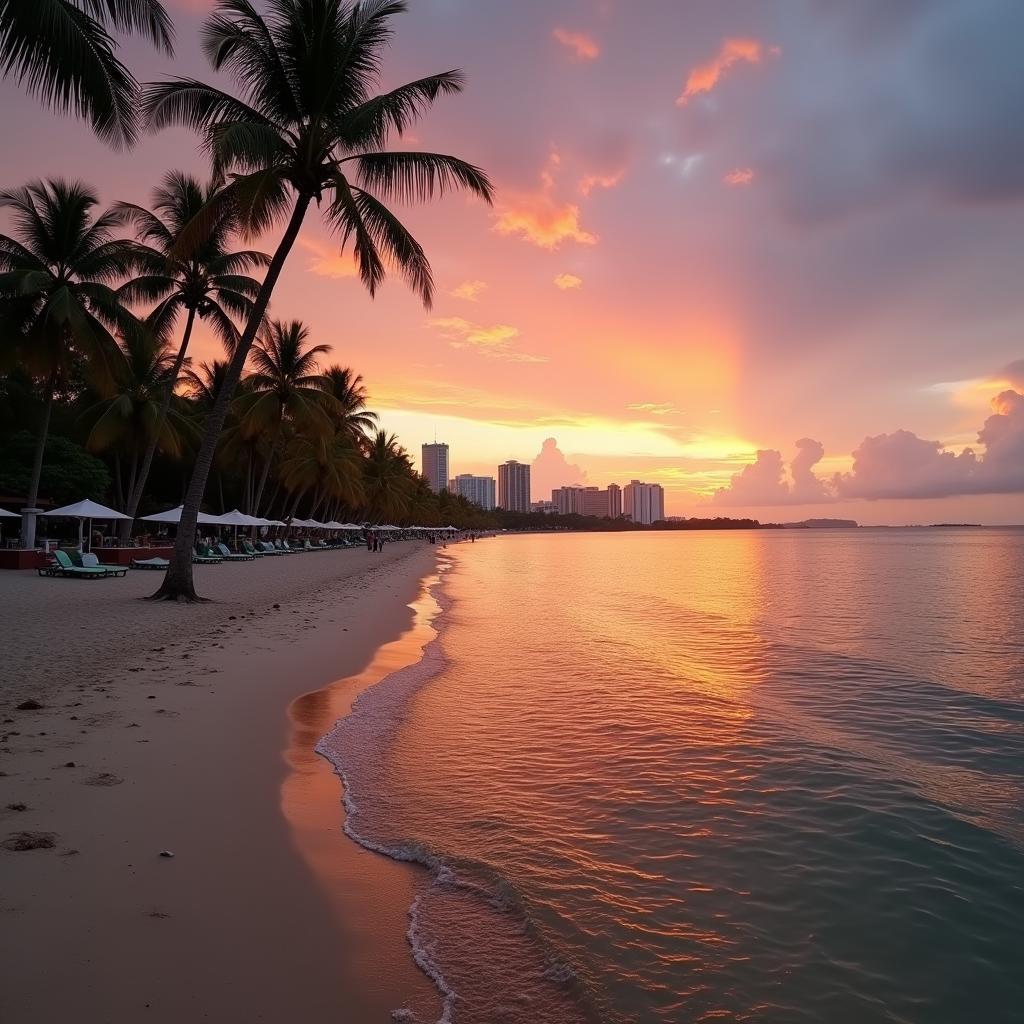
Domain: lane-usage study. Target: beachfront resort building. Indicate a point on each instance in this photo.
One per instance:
(588, 501)
(478, 489)
(643, 503)
(435, 466)
(514, 486)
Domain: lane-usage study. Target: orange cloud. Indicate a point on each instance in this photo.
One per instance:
(581, 46)
(543, 220)
(540, 217)
(591, 181)
(469, 290)
(739, 176)
(327, 261)
(493, 341)
(704, 77)
(568, 282)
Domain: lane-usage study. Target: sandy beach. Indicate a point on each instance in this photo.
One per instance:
(167, 729)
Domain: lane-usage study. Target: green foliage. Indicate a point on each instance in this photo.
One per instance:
(69, 472)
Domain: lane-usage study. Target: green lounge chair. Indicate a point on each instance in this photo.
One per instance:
(225, 552)
(202, 555)
(65, 567)
(90, 561)
(250, 550)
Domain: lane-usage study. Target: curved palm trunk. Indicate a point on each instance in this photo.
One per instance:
(28, 523)
(266, 471)
(124, 527)
(178, 582)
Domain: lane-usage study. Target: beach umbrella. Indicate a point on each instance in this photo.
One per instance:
(173, 515)
(4, 514)
(85, 511)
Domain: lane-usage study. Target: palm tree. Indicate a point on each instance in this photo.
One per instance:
(62, 52)
(208, 282)
(61, 268)
(352, 417)
(134, 419)
(389, 479)
(306, 128)
(331, 467)
(284, 385)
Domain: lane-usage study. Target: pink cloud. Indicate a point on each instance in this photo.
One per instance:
(568, 282)
(581, 46)
(327, 261)
(896, 465)
(591, 181)
(541, 217)
(704, 77)
(739, 176)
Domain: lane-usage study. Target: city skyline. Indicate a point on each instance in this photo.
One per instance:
(761, 336)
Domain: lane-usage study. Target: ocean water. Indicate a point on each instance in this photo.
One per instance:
(774, 777)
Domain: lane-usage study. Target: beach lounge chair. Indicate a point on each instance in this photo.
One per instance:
(90, 561)
(269, 549)
(150, 563)
(202, 555)
(250, 550)
(226, 553)
(65, 567)
(283, 548)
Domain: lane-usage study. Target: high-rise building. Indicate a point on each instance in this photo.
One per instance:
(588, 501)
(567, 500)
(478, 489)
(614, 501)
(643, 503)
(514, 486)
(435, 466)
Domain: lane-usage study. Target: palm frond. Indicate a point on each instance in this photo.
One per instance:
(416, 177)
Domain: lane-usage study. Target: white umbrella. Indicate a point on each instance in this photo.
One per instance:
(85, 510)
(173, 515)
(4, 514)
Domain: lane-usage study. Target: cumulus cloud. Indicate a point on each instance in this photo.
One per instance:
(494, 341)
(896, 465)
(581, 46)
(568, 282)
(805, 486)
(551, 469)
(704, 77)
(739, 176)
(469, 290)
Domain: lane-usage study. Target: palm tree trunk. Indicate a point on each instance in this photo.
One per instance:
(178, 582)
(266, 471)
(28, 523)
(124, 528)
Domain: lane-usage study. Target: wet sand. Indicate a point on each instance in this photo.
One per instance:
(163, 729)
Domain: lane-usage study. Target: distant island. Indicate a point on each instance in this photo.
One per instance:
(823, 524)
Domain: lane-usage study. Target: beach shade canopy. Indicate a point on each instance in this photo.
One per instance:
(86, 510)
(349, 526)
(173, 515)
(83, 510)
(334, 525)
(236, 518)
(4, 514)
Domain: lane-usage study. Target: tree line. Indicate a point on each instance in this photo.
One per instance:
(98, 306)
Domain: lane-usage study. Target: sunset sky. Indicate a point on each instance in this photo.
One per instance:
(793, 227)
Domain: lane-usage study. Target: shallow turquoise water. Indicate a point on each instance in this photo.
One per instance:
(768, 777)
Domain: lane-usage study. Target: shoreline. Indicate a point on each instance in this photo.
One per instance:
(168, 738)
